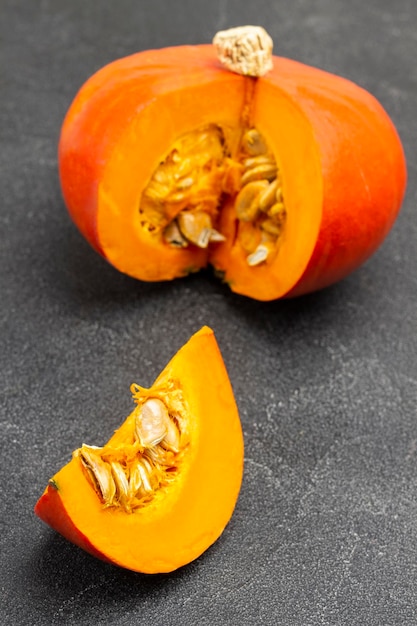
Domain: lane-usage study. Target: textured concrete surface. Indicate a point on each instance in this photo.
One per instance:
(325, 530)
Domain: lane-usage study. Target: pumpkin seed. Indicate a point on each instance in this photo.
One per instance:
(178, 196)
(120, 480)
(268, 197)
(277, 209)
(150, 427)
(171, 441)
(185, 183)
(260, 255)
(158, 455)
(146, 483)
(174, 236)
(267, 170)
(253, 143)
(249, 236)
(99, 472)
(135, 479)
(204, 238)
(271, 226)
(196, 227)
(263, 159)
(247, 201)
(216, 237)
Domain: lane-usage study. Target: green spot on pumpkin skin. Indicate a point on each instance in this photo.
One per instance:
(52, 483)
(221, 275)
(191, 269)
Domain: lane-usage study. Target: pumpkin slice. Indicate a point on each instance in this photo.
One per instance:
(283, 177)
(163, 488)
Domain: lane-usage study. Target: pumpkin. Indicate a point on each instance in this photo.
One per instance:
(283, 177)
(163, 488)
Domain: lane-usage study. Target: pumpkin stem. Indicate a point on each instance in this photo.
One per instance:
(245, 50)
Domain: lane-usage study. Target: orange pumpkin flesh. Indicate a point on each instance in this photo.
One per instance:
(340, 161)
(179, 521)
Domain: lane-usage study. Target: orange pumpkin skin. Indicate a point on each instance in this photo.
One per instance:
(341, 161)
(364, 175)
(176, 528)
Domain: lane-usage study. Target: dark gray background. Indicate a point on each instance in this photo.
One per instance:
(325, 530)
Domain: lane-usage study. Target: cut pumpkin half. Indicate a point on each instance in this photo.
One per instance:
(285, 182)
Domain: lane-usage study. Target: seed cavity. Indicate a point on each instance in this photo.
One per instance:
(182, 201)
(129, 476)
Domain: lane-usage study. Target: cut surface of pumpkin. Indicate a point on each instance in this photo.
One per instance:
(283, 177)
(163, 488)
